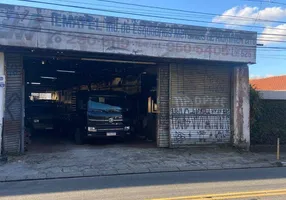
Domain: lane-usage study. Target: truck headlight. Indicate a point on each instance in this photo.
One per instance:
(127, 128)
(92, 129)
(36, 121)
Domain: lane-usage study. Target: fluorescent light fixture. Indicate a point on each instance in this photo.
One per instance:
(47, 77)
(119, 61)
(35, 83)
(65, 71)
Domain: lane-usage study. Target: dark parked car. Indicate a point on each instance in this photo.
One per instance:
(40, 115)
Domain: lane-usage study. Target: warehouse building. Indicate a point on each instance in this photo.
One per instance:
(187, 85)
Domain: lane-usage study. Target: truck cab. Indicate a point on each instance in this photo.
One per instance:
(101, 114)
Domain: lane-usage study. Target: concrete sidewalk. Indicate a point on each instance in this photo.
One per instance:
(121, 159)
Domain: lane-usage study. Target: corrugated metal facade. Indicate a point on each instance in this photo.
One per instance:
(163, 127)
(13, 116)
(200, 104)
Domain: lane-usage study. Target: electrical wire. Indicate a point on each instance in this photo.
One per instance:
(41, 18)
(139, 10)
(189, 34)
(184, 42)
(183, 27)
(269, 1)
(163, 10)
(178, 10)
(145, 38)
(142, 15)
(258, 14)
(81, 36)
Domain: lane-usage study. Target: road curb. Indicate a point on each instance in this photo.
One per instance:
(122, 172)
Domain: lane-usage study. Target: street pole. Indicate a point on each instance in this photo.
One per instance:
(278, 149)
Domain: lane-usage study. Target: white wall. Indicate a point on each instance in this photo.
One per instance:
(241, 107)
(273, 95)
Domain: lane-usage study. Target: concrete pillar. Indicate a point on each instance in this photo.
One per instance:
(2, 97)
(241, 107)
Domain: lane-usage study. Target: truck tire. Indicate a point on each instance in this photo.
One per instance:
(78, 137)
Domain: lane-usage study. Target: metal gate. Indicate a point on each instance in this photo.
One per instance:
(200, 105)
(14, 104)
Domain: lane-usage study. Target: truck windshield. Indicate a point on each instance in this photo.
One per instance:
(107, 102)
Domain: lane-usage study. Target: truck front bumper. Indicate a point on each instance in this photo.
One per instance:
(108, 132)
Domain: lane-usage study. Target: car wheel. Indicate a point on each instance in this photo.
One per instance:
(78, 136)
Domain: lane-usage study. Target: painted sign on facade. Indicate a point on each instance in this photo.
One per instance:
(42, 28)
(199, 126)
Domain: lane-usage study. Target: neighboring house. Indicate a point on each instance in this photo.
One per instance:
(271, 88)
(271, 123)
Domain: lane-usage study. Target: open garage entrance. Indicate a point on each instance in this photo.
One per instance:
(78, 100)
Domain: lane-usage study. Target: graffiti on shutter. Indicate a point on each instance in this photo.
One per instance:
(200, 107)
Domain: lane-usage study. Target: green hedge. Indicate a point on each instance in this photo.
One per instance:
(268, 120)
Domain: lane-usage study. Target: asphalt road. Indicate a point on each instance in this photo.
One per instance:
(250, 184)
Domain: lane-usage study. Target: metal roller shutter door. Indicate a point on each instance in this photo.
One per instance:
(200, 105)
(13, 116)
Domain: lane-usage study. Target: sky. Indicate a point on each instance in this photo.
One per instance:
(263, 16)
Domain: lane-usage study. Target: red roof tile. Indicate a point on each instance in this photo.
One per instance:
(276, 83)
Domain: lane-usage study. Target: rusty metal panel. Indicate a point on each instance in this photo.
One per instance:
(163, 127)
(13, 116)
(200, 105)
(51, 29)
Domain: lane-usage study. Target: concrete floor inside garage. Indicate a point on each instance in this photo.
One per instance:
(51, 79)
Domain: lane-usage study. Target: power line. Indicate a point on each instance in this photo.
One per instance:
(139, 9)
(163, 28)
(182, 33)
(142, 15)
(199, 35)
(178, 10)
(198, 14)
(267, 1)
(190, 34)
(24, 15)
(261, 39)
(183, 27)
(80, 34)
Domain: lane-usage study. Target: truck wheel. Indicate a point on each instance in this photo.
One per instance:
(78, 136)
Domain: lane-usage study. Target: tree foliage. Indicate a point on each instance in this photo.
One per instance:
(267, 119)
